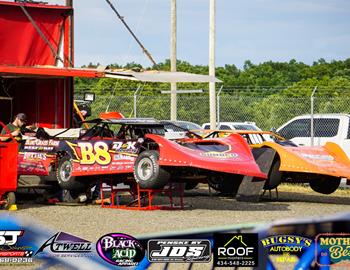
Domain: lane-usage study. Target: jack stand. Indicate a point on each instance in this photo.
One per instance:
(270, 193)
(142, 199)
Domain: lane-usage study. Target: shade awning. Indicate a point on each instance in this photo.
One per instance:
(161, 76)
(143, 76)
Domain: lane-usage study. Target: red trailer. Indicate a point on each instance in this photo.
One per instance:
(8, 171)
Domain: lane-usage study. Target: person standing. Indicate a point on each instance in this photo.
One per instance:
(15, 127)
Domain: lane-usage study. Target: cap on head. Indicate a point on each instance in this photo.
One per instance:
(22, 117)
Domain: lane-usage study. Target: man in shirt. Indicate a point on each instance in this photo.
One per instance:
(15, 128)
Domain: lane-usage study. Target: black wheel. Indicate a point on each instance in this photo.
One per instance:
(325, 185)
(147, 171)
(274, 177)
(226, 184)
(10, 199)
(190, 185)
(65, 178)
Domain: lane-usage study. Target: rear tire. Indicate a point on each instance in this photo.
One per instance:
(325, 185)
(226, 184)
(147, 171)
(274, 177)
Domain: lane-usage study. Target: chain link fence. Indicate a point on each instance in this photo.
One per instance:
(267, 112)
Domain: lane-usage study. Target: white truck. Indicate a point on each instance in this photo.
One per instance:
(326, 127)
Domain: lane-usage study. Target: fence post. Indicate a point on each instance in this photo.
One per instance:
(135, 101)
(312, 116)
(218, 107)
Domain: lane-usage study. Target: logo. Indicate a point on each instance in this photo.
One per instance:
(120, 249)
(221, 155)
(65, 245)
(333, 248)
(179, 250)
(285, 246)
(236, 249)
(10, 252)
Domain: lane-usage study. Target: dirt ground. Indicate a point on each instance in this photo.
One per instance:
(201, 211)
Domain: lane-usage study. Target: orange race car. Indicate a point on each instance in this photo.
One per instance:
(322, 167)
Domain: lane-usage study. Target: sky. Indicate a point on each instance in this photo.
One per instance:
(256, 30)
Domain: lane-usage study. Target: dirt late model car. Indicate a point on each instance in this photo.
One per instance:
(322, 167)
(120, 148)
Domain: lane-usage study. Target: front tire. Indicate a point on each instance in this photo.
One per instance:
(325, 185)
(274, 177)
(65, 178)
(147, 171)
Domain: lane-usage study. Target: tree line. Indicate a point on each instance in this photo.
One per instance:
(268, 93)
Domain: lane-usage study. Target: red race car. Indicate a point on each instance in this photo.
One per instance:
(143, 148)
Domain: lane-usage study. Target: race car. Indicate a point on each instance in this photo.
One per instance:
(142, 148)
(322, 167)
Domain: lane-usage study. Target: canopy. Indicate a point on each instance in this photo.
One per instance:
(143, 76)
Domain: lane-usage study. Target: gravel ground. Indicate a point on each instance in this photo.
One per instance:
(202, 211)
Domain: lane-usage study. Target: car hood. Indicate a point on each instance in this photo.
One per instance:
(230, 155)
(327, 160)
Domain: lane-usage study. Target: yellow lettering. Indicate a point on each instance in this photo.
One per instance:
(102, 156)
(335, 252)
(87, 155)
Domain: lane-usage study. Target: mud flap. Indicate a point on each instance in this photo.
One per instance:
(250, 188)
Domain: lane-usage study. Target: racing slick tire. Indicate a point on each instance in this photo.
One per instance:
(226, 184)
(65, 178)
(147, 171)
(325, 185)
(274, 177)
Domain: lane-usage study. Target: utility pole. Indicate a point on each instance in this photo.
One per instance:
(212, 103)
(69, 3)
(173, 88)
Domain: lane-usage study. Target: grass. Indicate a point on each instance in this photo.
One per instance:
(303, 188)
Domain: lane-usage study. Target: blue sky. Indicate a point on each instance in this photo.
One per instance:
(258, 30)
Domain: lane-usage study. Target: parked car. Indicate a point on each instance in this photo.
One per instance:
(320, 166)
(327, 128)
(122, 148)
(182, 124)
(233, 126)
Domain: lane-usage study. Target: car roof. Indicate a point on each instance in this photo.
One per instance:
(322, 115)
(128, 121)
(233, 123)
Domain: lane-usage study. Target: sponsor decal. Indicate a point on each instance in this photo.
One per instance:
(34, 156)
(287, 247)
(38, 142)
(317, 157)
(333, 248)
(220, 155)
(236, 249)
(65, 245)
(10, 251)
(128, 147)
(179, 250)
(100, 153)
(120, 249)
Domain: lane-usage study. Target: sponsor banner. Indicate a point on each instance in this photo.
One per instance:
(120, 249)
(236, 249)
(179, 250)
(10, 250)
(333, 248)
(287, 247)
(65, 245)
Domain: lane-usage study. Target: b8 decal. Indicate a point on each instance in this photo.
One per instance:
(99, 153)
